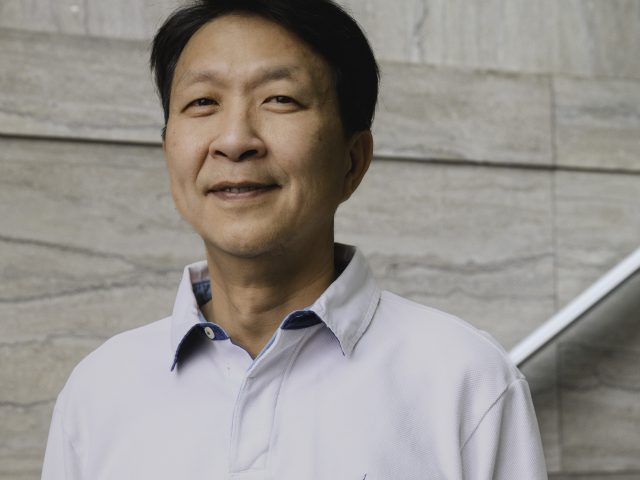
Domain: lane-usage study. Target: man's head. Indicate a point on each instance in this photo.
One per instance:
(321, 24)
(266, 133)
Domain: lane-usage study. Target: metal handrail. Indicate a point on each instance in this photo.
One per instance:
(575, 309)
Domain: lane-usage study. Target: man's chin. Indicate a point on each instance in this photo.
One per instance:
(245, 248)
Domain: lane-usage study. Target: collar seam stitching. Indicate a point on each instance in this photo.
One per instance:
(374, 299)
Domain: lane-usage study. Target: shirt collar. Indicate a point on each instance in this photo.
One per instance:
(346, 306)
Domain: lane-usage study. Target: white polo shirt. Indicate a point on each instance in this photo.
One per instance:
(362, 385)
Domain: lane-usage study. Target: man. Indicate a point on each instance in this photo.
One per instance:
(282, 358)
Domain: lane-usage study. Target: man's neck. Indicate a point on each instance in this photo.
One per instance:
(251, 297)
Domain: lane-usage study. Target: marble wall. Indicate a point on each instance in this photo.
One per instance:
(506, 180)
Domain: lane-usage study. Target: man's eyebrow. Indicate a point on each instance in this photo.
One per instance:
(191, 77)
(271, 74)
(262, 76)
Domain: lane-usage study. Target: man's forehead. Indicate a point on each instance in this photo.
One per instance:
(257, 75)
(246, 49)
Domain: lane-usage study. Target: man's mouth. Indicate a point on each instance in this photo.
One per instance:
(243, 189)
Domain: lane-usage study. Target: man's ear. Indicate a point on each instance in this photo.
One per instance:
(360, 154)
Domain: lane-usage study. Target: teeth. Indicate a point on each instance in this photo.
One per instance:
(240, 189)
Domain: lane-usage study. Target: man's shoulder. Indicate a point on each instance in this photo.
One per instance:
(434, 337)
(144, 341)
(121, 358)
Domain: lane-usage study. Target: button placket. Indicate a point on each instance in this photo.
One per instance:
(256, 403)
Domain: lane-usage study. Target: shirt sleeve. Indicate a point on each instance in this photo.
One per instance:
(506, 443)
(61, 461)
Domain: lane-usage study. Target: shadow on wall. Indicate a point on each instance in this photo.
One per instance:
(586, 387)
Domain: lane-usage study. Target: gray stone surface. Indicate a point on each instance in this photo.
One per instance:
(448, 114)
(597, 123)
(65, 16)
(105, 203)
(23, 435)
(69, 86)
(599, 384)
(589, 38)
(92, 315)
(612, 324)
(24, 280)
(479, 242)
(600, 408)
(392, 28)
(494, 34)
(137, 19)
(597, 39)
(597, 225)
(124, 19)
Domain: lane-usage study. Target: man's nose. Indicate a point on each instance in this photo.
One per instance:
(236, 138)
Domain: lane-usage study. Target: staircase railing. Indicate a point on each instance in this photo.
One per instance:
(575, 309)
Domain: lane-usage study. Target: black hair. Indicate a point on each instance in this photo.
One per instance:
(321, 24)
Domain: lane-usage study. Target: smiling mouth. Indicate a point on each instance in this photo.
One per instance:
(243, 189)
(228, 190)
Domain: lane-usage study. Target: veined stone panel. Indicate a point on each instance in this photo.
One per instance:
(598, 38)
(392, 28)
(600, 409)
(599, 384)
(578, 37)
(448, 114)
(76, 87)
(23, 439)
(597, 225)
(597, 123)
(64, 16)
(591, 38)
(105, 203)
(125, 19)
(515, 35)
(24, 280)
(134, 19)
(84, 314)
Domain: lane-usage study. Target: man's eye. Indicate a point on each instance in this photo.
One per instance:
(202, 102)
(280, 99)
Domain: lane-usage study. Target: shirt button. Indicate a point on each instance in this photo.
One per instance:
(209, 332)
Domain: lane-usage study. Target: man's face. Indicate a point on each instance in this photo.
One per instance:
(255, 149)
